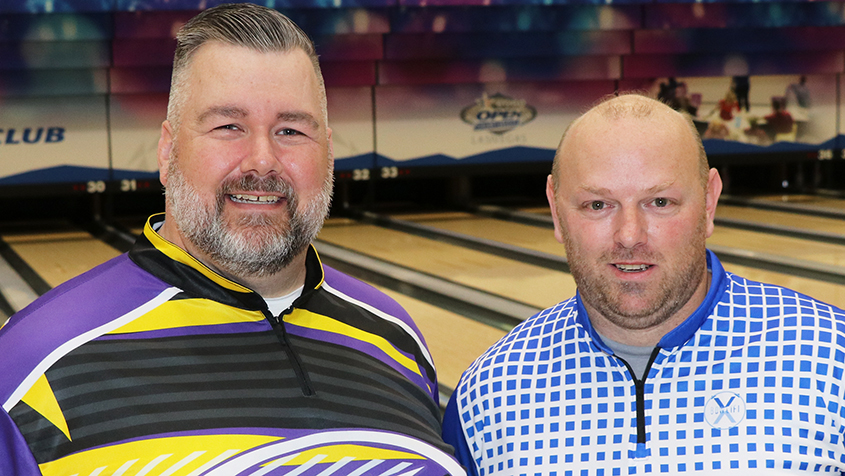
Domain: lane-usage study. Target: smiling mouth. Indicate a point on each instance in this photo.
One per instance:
(259, 199)
(632, 268)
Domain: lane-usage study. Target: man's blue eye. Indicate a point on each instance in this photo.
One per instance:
(288, 132)
(661, 202)
(597, 205)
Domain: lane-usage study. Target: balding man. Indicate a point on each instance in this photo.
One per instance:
(663, 362)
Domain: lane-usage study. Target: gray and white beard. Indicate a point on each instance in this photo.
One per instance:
(255, 245)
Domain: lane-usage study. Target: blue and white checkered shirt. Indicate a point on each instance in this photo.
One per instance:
(751, 383)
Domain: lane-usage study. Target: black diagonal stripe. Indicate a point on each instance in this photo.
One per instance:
(32, 278)
(6, 309)
(328, 304)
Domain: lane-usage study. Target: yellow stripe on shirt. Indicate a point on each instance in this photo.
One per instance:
(310, 320)
(188, 313)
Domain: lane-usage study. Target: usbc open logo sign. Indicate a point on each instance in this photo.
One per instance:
(498, 113)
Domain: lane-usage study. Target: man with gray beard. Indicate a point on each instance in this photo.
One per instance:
(220, 344)
(663, 362)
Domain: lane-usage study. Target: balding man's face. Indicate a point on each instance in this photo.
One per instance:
(632, 213)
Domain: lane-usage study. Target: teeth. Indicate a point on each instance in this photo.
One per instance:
(244, 198)
(632, 268)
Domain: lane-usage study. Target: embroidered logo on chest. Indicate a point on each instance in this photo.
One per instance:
(724, 410)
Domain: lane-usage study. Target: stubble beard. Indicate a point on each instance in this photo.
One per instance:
(668, 296)
(254, 245)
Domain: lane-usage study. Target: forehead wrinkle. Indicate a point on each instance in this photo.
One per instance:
(660, 187)
(595, 190)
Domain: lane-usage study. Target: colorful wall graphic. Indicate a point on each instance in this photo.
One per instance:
(430, 83)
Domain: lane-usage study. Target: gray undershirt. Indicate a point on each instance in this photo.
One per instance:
(636, 356)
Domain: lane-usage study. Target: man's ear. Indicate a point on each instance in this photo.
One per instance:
(165, 147)
(550, 196)
(714, 190)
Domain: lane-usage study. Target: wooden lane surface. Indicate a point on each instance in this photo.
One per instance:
(454, 341)
(798, 248)
(534, 285)
(814, 200)
(791, 219)
(61, 255)
(517, 234)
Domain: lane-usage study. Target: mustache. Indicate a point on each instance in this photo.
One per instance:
(254, 183)
(637, 253)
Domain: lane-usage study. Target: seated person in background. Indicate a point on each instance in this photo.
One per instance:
(727, 106)
(663, 362)
(220, 344)
(779, 121)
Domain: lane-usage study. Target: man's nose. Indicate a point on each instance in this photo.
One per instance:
(263, 156)
(631, 227)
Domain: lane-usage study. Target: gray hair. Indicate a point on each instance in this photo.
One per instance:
(637, 106)
(239, 24)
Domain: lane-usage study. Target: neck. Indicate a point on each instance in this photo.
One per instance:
(280, 284)
(649, 336)
(276, 285)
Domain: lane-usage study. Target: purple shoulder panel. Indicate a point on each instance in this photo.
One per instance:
(365, 293)
(73, 308)
(16, 458)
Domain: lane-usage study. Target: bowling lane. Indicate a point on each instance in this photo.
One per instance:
(811, 200)
(517, 234)
(59, 255)
(790, 219)
(827, 292)
(798, 248)
(454, 341)
(529, 284)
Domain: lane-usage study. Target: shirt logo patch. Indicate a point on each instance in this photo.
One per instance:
(725, 410)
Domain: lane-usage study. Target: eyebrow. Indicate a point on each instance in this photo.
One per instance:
(606, 191)
(298, 116)
(234, 112)
(660, 187)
